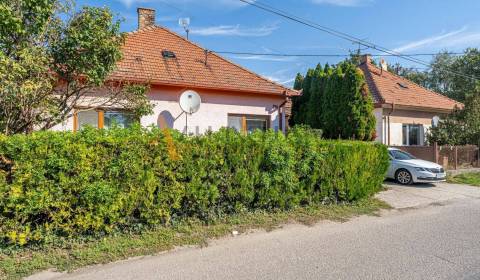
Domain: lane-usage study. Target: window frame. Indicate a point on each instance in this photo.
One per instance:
(406, 128)
(101, 116)
(244, 117)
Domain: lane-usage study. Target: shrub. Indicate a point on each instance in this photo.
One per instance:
(62, 184)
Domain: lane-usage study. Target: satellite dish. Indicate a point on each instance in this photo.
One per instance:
(383, 65)
(190, 102)
(435, 121)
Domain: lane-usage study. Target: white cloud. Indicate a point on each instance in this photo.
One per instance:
(234, 30)
(278, 80)
(283, 76)
(460, 38)
(344, 3)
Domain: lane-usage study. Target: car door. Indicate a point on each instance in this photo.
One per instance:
(393, 165)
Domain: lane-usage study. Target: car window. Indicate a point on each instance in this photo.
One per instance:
(401, 155)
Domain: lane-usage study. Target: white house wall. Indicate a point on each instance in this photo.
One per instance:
(397, 119)
(379, 126)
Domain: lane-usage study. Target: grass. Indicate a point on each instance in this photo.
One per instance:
(466, 178)
(75, 254)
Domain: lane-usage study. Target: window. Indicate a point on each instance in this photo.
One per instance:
(103, 119)
(248, 123)
(87, 118)
(400, 155)
(168, 54)
(412, 134)
(120, 119)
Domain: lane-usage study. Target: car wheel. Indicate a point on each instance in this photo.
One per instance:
(404, 177)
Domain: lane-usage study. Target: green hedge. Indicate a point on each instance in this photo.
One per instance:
(62, 184)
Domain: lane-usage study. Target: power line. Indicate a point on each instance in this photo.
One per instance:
(343, 35)
(321, 55)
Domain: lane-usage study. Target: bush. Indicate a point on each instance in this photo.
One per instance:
(62, 184)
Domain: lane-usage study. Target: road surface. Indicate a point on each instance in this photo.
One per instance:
(434, 233)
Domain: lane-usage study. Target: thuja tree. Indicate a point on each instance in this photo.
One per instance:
(337, 101)
(51, 59)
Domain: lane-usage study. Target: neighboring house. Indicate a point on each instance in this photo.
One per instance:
(232, 96)
(403, 109)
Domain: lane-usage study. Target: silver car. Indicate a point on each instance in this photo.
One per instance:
(406, 169)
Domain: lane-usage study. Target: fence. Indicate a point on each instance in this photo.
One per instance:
(450, 157)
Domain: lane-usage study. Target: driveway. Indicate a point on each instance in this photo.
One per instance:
(419, 195)
(434, 234)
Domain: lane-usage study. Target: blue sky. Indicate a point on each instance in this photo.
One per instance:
(407, 26)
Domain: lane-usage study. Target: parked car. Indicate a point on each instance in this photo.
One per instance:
(406, 169)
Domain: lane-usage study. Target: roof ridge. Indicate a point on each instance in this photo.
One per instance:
(411, 82)
(146, 28)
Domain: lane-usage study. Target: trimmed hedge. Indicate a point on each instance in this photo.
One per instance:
(62, 184)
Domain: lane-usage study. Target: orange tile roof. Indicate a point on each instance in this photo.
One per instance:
(143, 62)
(388, 88)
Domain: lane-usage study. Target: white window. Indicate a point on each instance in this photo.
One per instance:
(413, 134)
(248, 123)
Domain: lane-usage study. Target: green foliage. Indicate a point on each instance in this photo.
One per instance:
(51, 59)
(337, 101)
(73, 254)
(448, 74)
(472, 179)
(94, 182)
(88, 45)
(461, 127)
(23, 20)
(458, 87)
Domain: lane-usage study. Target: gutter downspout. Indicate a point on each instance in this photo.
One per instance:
(281, 111)
(388, 120)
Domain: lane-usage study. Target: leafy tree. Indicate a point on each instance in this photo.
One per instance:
(49, 66)
(448, 74)
(456, 86)
(461, 127)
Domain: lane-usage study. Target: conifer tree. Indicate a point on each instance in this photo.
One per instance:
(336, 100)
(298, 85)
(314, 106)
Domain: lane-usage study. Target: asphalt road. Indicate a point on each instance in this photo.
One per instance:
(437, 237)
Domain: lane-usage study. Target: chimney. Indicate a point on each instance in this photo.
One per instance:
(146, 17)
(366, 58)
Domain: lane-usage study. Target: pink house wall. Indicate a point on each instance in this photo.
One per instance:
(213, 112)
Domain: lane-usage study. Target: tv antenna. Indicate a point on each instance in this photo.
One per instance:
(189, 103)
(185, 23)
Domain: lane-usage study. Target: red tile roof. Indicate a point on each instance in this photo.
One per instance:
(388, 88)
(143, 62)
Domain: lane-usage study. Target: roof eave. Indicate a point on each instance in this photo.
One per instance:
(283, 92)
(414, 108)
